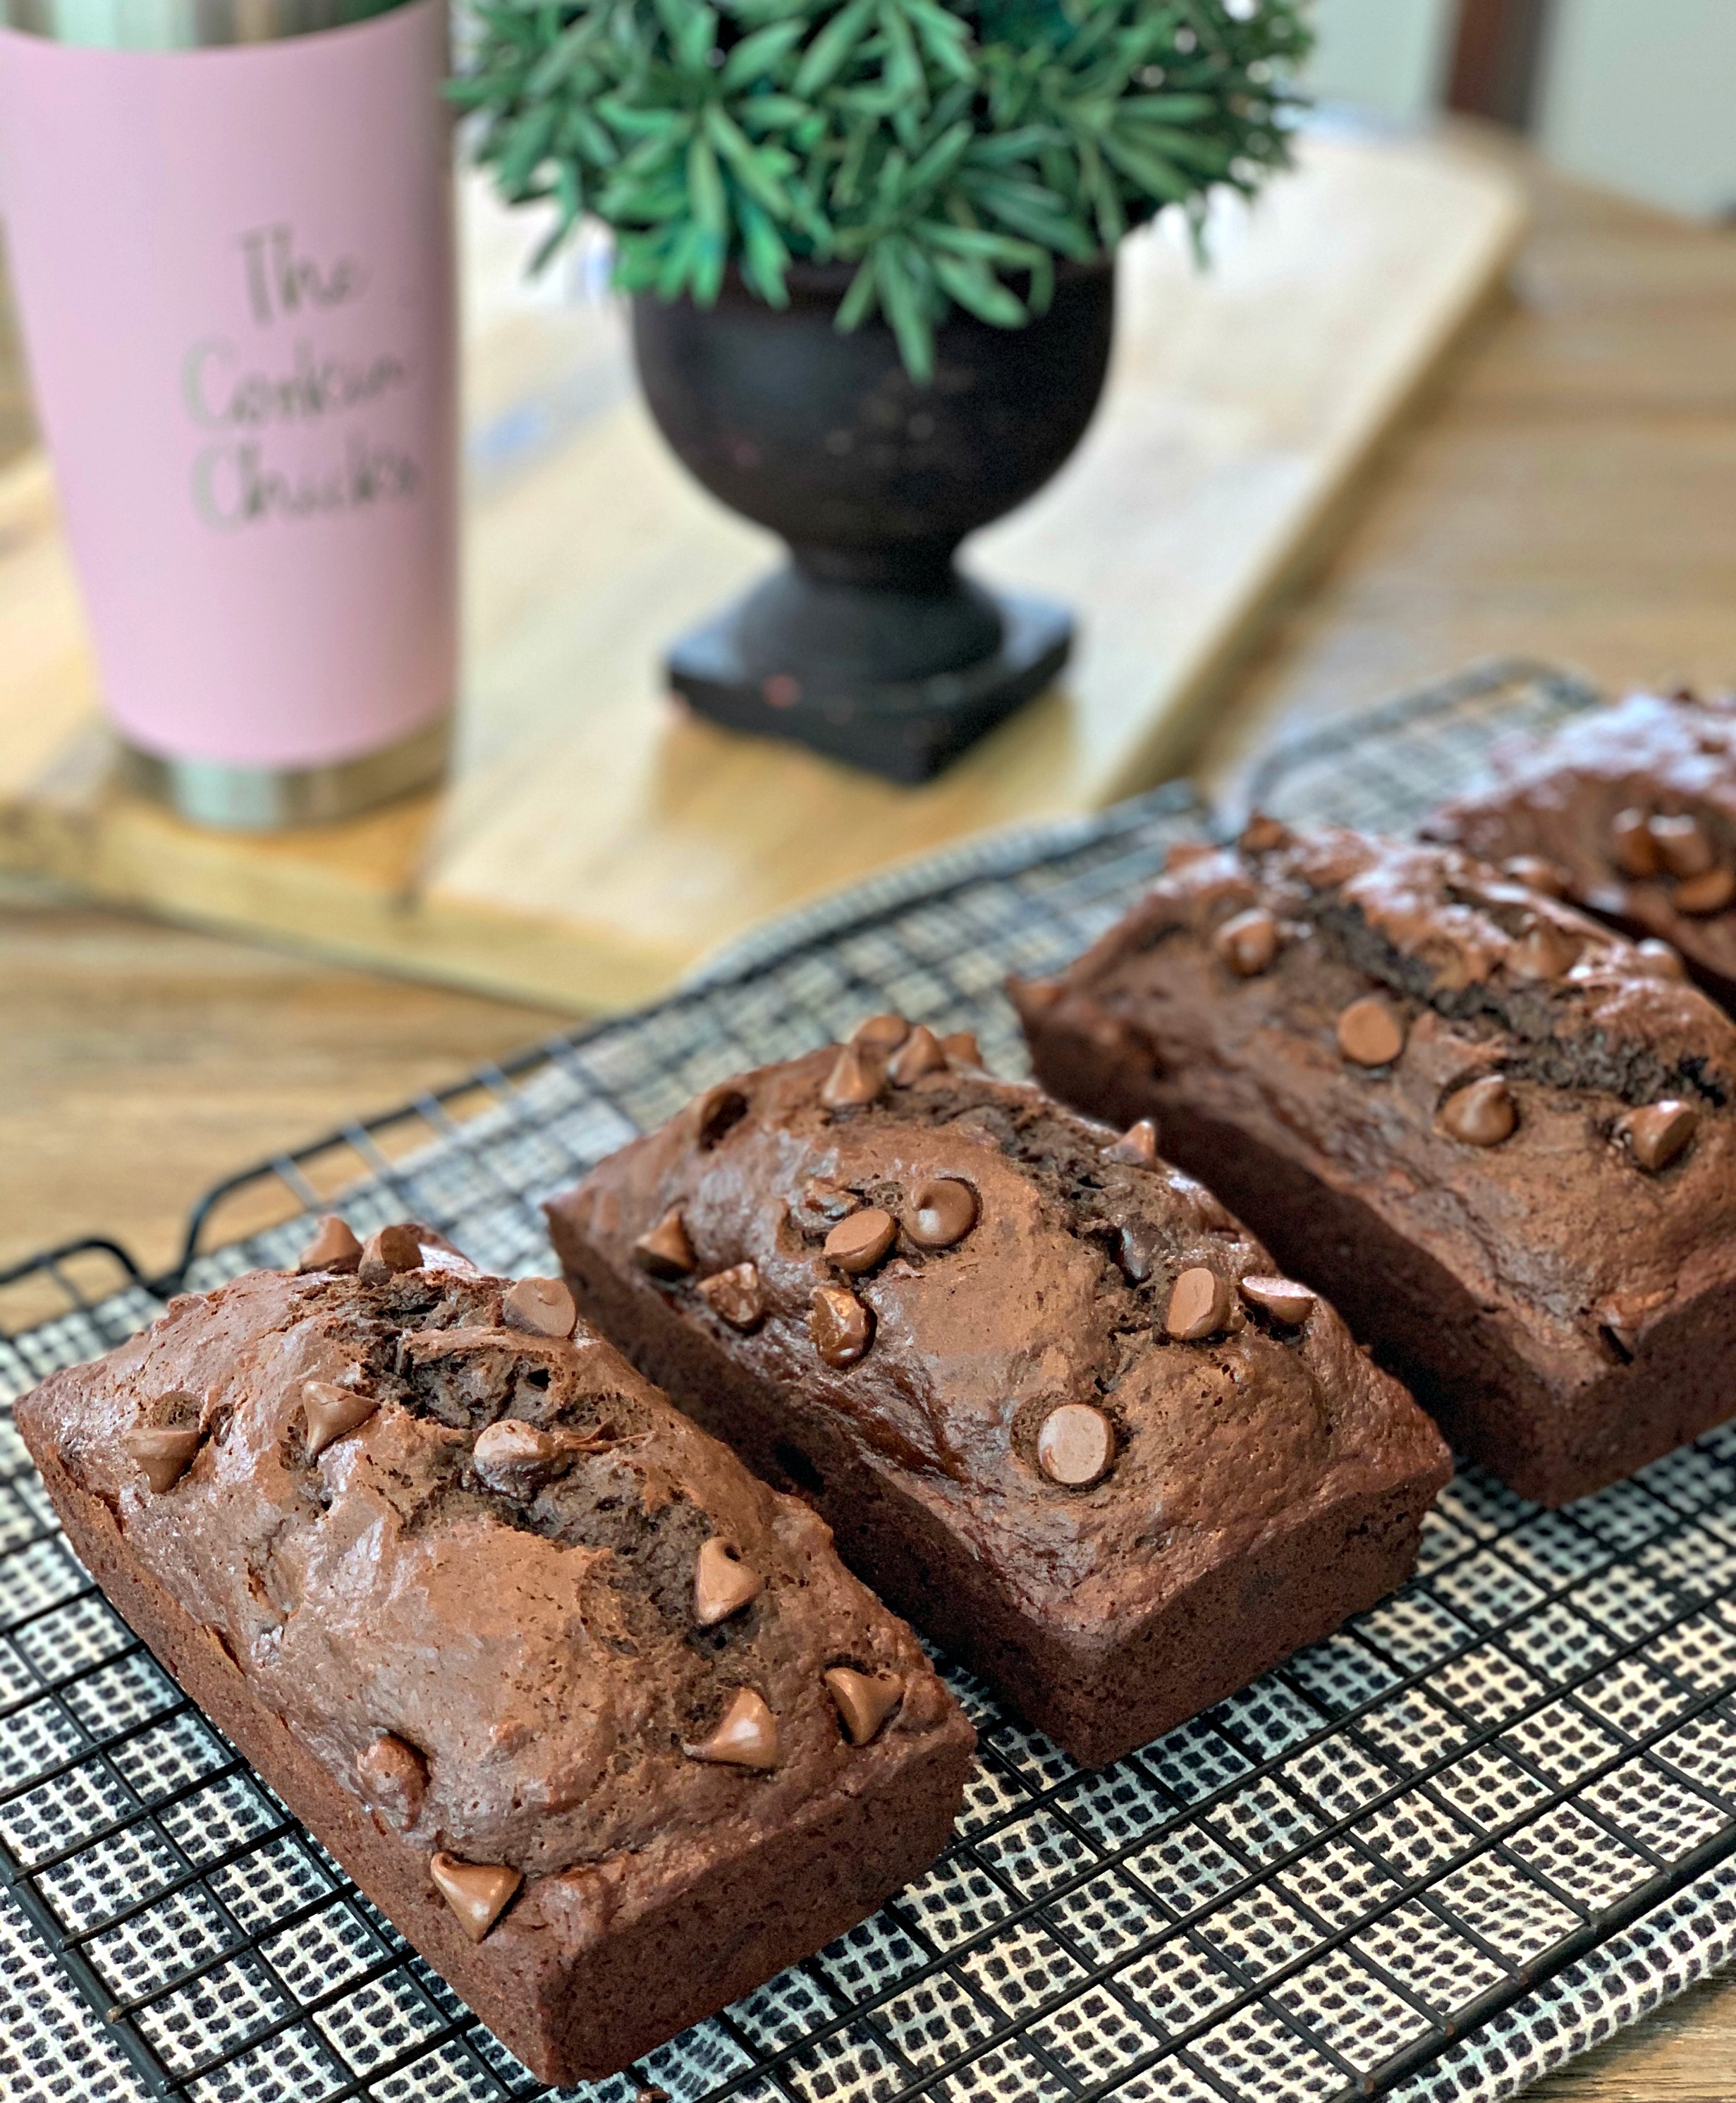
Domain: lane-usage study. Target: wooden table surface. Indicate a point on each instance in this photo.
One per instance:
(1570, 493)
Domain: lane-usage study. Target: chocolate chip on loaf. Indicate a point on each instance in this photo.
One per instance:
(477, 1892)
(1705, 894)
(864, 1701)
(1199, 1303)
(334, 1248)
(746, 1735)
(516, 1459)
(722, 1583)
(1281, 1298)
(1481, 1113)
(842, 1327)
(1249, 943)
(1075, 1446)
(163, 1455)
(1683, 848)
(1370, 1033)
(540, 1306)
(664, 1250)
(882, 1032)
(394, 1778)
(1138, 1144)
(1633, 846)
(330, 1411)
(857, 1243)
(920, 1057)
(941, 1212)
(1659, 1133)
(734, 1296)
(856, 1079)
(388, 1251)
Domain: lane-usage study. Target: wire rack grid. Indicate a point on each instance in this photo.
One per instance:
(1509, 1773)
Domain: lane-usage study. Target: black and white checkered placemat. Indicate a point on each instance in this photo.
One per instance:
(1484, 1826)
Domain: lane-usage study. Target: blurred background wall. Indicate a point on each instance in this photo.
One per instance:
(1639, 95)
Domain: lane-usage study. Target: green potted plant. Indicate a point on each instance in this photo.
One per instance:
(870, 246)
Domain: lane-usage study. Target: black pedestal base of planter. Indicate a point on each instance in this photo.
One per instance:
(906, 729)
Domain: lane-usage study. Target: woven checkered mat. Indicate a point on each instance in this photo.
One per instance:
(1483, 1825)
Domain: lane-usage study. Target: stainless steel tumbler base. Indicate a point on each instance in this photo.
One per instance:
(263, 799)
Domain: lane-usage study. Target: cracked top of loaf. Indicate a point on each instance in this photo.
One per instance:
(514, 1600)
(1535, 1099)
(1063, 1347)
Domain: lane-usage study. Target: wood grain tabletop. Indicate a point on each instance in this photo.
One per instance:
(1568, 493)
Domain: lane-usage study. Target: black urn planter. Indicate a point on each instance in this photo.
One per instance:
(869, 645)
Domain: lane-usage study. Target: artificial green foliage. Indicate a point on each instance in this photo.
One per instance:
(950, 154)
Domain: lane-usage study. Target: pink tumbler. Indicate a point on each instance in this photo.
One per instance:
(229, 223)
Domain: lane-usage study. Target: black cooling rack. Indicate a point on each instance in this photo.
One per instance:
(1319, 1889)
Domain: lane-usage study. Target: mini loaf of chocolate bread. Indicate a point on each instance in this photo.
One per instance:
(1485, 1125)
(1053, 1399)
(601, 1723)
(1631, 813)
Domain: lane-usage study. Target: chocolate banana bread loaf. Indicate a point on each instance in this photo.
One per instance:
(1052, 1398)
(1631, 813)
(601, 1723)
(1499, 1136)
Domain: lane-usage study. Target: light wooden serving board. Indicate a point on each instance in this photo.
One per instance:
(594, 842)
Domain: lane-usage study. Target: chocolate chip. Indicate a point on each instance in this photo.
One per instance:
(389, 1251)
(1281, 1298)
(841, 1328)
(477, 1892)
(1481, 1113)
(1199, 1303)
(1249, 943)
(734, 1296)
(885, 1033)
(1369, 1033)
(1181, 853)
(1262, 834)
(515, 1459)
(1623, 1315)
(1541, 952)
(1656, 1134)
(1138, 1144)
(1040, 994)
(864, 1701)
(1682, 846)
(333, 1248)
(722, 1583)
(746, 1736)
(826, 1200)
(858, 1243)
(1658, 960)
(394, 1778)
(1710, 893)
(1138, 1247)
(540, 1306)
(855, 1080)
(1537, 874)
(941, 1211)
(921, 1056)
(1631, 847)
(961, 1048)
(665, 1252)
(331, 1411)
(717, 1111)
(1075, 1446)
(163, 1456)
